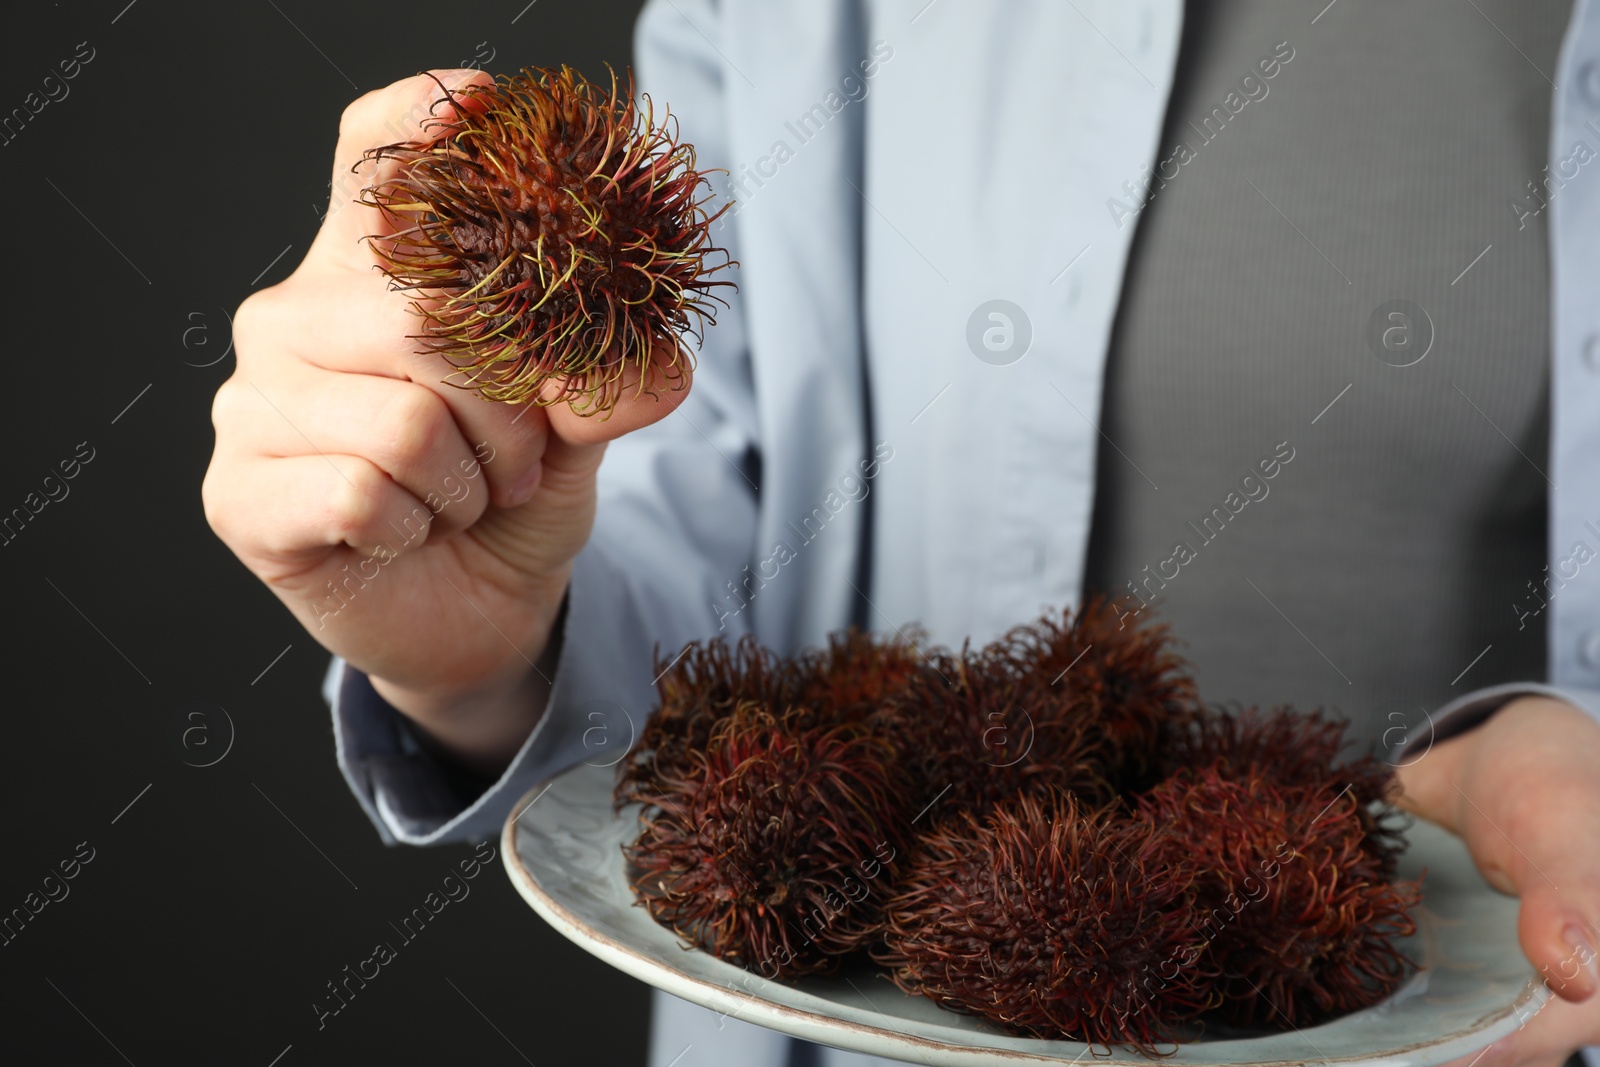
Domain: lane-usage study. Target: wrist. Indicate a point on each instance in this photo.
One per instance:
(483, 725)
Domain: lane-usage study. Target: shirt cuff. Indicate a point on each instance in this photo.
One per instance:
(413, 798)
(1472, 709)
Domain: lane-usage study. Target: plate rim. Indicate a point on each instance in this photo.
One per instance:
(843, 1033)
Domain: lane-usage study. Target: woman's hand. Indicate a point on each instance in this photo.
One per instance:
(423, 533)
(1523, 791)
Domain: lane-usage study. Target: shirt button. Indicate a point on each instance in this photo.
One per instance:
(1591, 352)
(1589, 650)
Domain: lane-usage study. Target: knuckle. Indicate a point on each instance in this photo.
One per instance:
(358, 502)
(247, 320)
(212, 501)
(223, 501)
(358, 115)
(413, 425)
(393, 113)
(255, 322)
(225, 406)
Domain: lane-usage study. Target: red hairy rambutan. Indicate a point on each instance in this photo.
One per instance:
(774, 847)
(850, 679)
(1295, 749)
(556, 236)
(970, 733)
(1128, 671)
(1300, 916)
(1053, 920)
(698, 688)
(858, 674)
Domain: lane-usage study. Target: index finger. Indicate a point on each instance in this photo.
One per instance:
(411, 109)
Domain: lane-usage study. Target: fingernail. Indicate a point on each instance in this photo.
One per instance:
(1576, 938)
(523, 490)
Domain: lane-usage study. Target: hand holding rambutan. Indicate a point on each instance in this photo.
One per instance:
(555, 237)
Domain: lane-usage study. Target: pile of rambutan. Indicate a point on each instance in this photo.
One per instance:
(1051, 832)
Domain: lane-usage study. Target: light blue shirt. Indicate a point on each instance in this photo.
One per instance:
(845, 456)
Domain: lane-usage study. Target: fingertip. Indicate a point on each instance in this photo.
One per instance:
(1560, 947)
(404, 110)
(665, 392)
(452, 81)
(639, 403)
(1578, 935)
(434, 100)
(455, 77)
(632, 411)
(523, 490)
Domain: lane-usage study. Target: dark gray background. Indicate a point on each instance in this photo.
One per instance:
(198, 142)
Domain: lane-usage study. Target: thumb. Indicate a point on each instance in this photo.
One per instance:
(644, 396)
(1558, 937)
(575, 438)
(1533, 802)
(411, 109)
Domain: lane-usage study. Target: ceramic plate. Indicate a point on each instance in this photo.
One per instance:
(563, 849)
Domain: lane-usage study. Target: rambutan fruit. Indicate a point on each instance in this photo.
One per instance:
(970, 733)
(1294, 749)
(775, 846)
(858, 673)
(555, 235)
(1128, 671)
(1053, 920)
(849, 680)
(697, 688)
(1300, 915)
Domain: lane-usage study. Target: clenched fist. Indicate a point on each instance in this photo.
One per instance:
(421, 532)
